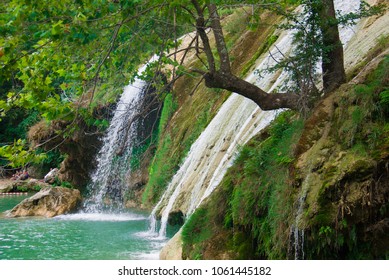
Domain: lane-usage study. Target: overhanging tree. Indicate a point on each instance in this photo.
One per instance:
(219, 75)
(55, 56)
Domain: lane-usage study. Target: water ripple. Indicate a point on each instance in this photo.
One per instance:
(101, 217)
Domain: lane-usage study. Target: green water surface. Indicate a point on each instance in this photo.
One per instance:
(76, 236)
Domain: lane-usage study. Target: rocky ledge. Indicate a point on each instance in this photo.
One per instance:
(49, 202)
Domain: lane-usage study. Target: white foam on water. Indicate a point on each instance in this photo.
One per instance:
(103, 217)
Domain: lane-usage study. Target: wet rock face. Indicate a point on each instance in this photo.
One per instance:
(49, 202)
(173, 249)
(81, 150)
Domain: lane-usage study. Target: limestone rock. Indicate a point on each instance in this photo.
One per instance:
(49, 202)
(50, 177)
(21, 185)
(29, 185)
(173, 249)
(6, 187)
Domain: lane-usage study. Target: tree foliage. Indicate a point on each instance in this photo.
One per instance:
(59, 58)
(55, 57)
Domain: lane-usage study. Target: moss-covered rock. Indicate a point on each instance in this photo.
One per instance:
(326, 179)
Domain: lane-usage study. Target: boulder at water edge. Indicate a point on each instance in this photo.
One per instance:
(5, 187)
(49, 202)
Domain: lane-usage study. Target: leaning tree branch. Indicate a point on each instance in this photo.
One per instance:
(266, 101)
(223, 78)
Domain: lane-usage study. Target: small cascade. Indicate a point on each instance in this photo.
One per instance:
(296, 237)
(298, 244)
(113, 160)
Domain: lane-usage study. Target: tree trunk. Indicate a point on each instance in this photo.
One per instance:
(223, 77)
(332, 57)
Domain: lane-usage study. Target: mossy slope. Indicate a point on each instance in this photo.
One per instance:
(339, 155)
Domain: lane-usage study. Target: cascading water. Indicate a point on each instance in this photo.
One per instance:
(113, 160)
(237, 121)
(296, 236)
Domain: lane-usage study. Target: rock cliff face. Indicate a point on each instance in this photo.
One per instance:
(342, 173)
(172, 251)
(325, 193)
(80, 148)
(49, 202)
(320, 191)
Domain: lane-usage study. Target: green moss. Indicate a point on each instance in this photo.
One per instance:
(265, 47)
(169, 107)
(163, 164)
(366, 110)
(254, 200)
(160, 172)
(341, 209)
(174, 141)
(195, 231)
(254, 205)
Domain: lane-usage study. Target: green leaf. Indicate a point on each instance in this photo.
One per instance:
(48, 81)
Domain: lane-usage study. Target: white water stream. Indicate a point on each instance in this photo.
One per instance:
(109, 179)
(237, 121)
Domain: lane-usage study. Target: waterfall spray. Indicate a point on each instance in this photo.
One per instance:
(113, 160)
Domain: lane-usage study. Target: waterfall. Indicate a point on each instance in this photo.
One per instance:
(237, 121)
(113, 160)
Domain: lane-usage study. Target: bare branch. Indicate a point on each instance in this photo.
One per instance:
(190, 44)
(196, 86)
(113, 40)
(189, 11)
